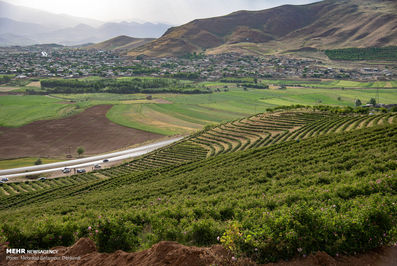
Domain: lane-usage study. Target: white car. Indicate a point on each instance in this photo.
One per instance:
(97, 166)
(66, 170)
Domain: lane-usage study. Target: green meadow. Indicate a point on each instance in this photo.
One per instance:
(170, 114)
(17, 110)
(22, 162)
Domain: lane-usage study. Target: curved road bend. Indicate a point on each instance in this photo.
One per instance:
(84, 162)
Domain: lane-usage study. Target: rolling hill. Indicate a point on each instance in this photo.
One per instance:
(120, 43)
(322, 25)
(326, 184)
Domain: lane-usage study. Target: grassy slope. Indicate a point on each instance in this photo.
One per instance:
(19, 110)
(335, 193)
(218, 107)
(21, 162)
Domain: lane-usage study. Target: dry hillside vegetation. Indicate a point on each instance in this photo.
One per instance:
(324, 25)
(120, 43)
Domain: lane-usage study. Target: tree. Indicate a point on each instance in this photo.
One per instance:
(80, 151)
(372, 101)
(38, 162)
(357, 103)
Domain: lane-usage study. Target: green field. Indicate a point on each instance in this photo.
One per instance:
(22, 162)
(20, 110)
(170, 114)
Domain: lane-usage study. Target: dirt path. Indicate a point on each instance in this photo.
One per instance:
(7, 89)
(51, 138)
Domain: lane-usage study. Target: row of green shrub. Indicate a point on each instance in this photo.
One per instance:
(134, 85)
(335, 193)
(333, 109)
(370, 53)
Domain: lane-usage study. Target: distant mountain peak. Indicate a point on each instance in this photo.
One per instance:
(321, 25)
(30, 26)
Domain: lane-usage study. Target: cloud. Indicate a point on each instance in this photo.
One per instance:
(171, 11)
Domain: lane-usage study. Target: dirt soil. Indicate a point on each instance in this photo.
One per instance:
(84, 252)
(52, 138)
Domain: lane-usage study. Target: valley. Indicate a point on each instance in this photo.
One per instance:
(245, 137)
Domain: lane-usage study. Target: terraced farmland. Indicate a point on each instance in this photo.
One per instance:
(334, 193)
(267, 129)
(16, 194)
(247, 133)
(175, 154)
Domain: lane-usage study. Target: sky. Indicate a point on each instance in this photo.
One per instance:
(174, 12)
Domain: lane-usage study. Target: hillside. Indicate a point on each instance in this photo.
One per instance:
(320, 185)
(324, 25)
(120, 43)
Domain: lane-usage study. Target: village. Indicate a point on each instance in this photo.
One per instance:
(45, 61)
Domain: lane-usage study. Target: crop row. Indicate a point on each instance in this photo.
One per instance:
(253, 132)
(332, 193)
(264, 130)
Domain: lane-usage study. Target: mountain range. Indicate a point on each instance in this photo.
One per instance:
(26, 26)
(321, 25)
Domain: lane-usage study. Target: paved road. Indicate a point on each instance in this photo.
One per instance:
(84, 162)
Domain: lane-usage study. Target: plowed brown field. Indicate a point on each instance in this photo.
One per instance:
(53, 138)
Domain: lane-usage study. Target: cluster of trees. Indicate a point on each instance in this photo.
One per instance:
(186, 75)
(193, 55)
(246, 82)
(371, 53)
(334, 109)
(239, 80)
(134, 85)
(5, 79)
(256, 85)
(358, 102)
(137, 69)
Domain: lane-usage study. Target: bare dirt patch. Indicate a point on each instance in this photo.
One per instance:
(35, 84)
(7, 89)
(51, 138)
(163, 253)
(172, 253)
(162, 101)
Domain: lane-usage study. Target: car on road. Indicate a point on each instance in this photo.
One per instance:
(106, 160)
(42, 179)
(97, 166)
(81, 171)
(4, 179)
(66, 170)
